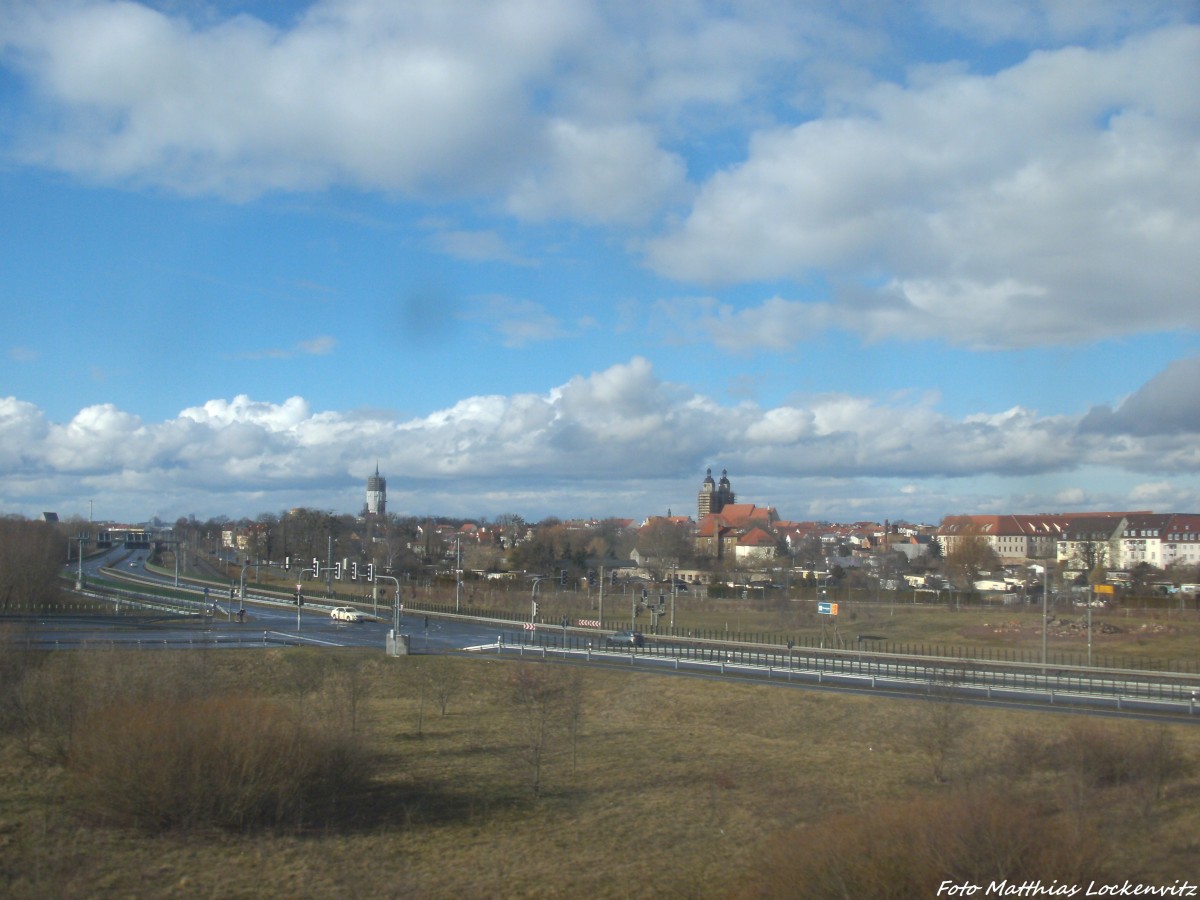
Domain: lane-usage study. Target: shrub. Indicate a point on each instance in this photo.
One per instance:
(1101, 756)
(234, 762)
(906, 849)
(17, 661)
(1022, 752)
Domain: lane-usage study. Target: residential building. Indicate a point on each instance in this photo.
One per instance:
(755, 545)
(1014, 538)
(1181, 541)
(1092, 540)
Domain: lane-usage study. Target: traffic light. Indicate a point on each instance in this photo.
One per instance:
(337, 571)
(535, 609)
(370, 571)
(316, 567)
(299, 598)
(287, 562)
(354, 570)
(562, 577)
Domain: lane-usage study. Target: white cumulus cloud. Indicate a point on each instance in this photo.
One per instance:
(597, 433)
(995, 211)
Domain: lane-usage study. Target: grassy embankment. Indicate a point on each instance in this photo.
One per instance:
(124, 773)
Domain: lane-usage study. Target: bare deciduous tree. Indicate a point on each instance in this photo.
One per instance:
(542, 710)
(575, 702)
(940, 725)
(444, 680)
(970, 556)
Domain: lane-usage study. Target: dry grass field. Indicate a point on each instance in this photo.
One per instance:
(127, 774)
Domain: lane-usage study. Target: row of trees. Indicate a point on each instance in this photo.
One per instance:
(411, 545)
(392, 542)
(408, 544)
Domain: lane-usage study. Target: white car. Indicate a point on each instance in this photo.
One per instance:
(346, 614)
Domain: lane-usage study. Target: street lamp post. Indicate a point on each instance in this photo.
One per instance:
(674, 592)
(533, 595)
(600, 599)
(1045, 594)
(242, 584)
(1091, 595)
(176, 543)
(457, 572)
(81, 537)
(395, 604)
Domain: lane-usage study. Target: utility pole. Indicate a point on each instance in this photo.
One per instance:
(674, 592)
(1045, 594)
(457, 572)
(1091, 596)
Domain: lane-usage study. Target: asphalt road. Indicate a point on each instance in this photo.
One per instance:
(275, 623)
(260, 624)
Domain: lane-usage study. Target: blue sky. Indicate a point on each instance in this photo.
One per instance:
(877, 260)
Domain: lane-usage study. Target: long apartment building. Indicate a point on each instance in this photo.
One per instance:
(1119, 540)
(1014, 538)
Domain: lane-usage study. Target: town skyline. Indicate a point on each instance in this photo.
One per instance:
(713, 500)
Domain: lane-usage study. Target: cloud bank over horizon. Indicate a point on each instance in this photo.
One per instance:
(622, 437)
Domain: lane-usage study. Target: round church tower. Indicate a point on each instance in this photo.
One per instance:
(376, 494)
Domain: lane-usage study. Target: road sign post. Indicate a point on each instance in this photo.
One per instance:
(828, 609)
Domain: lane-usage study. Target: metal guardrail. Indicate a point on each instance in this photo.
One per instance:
(141, 642)
(1016, 681)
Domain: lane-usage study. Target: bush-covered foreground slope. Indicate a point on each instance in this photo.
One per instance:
(333, 774)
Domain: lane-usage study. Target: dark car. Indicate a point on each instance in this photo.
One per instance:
(625, 639)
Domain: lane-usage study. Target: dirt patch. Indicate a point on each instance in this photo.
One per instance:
(1059, 628)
